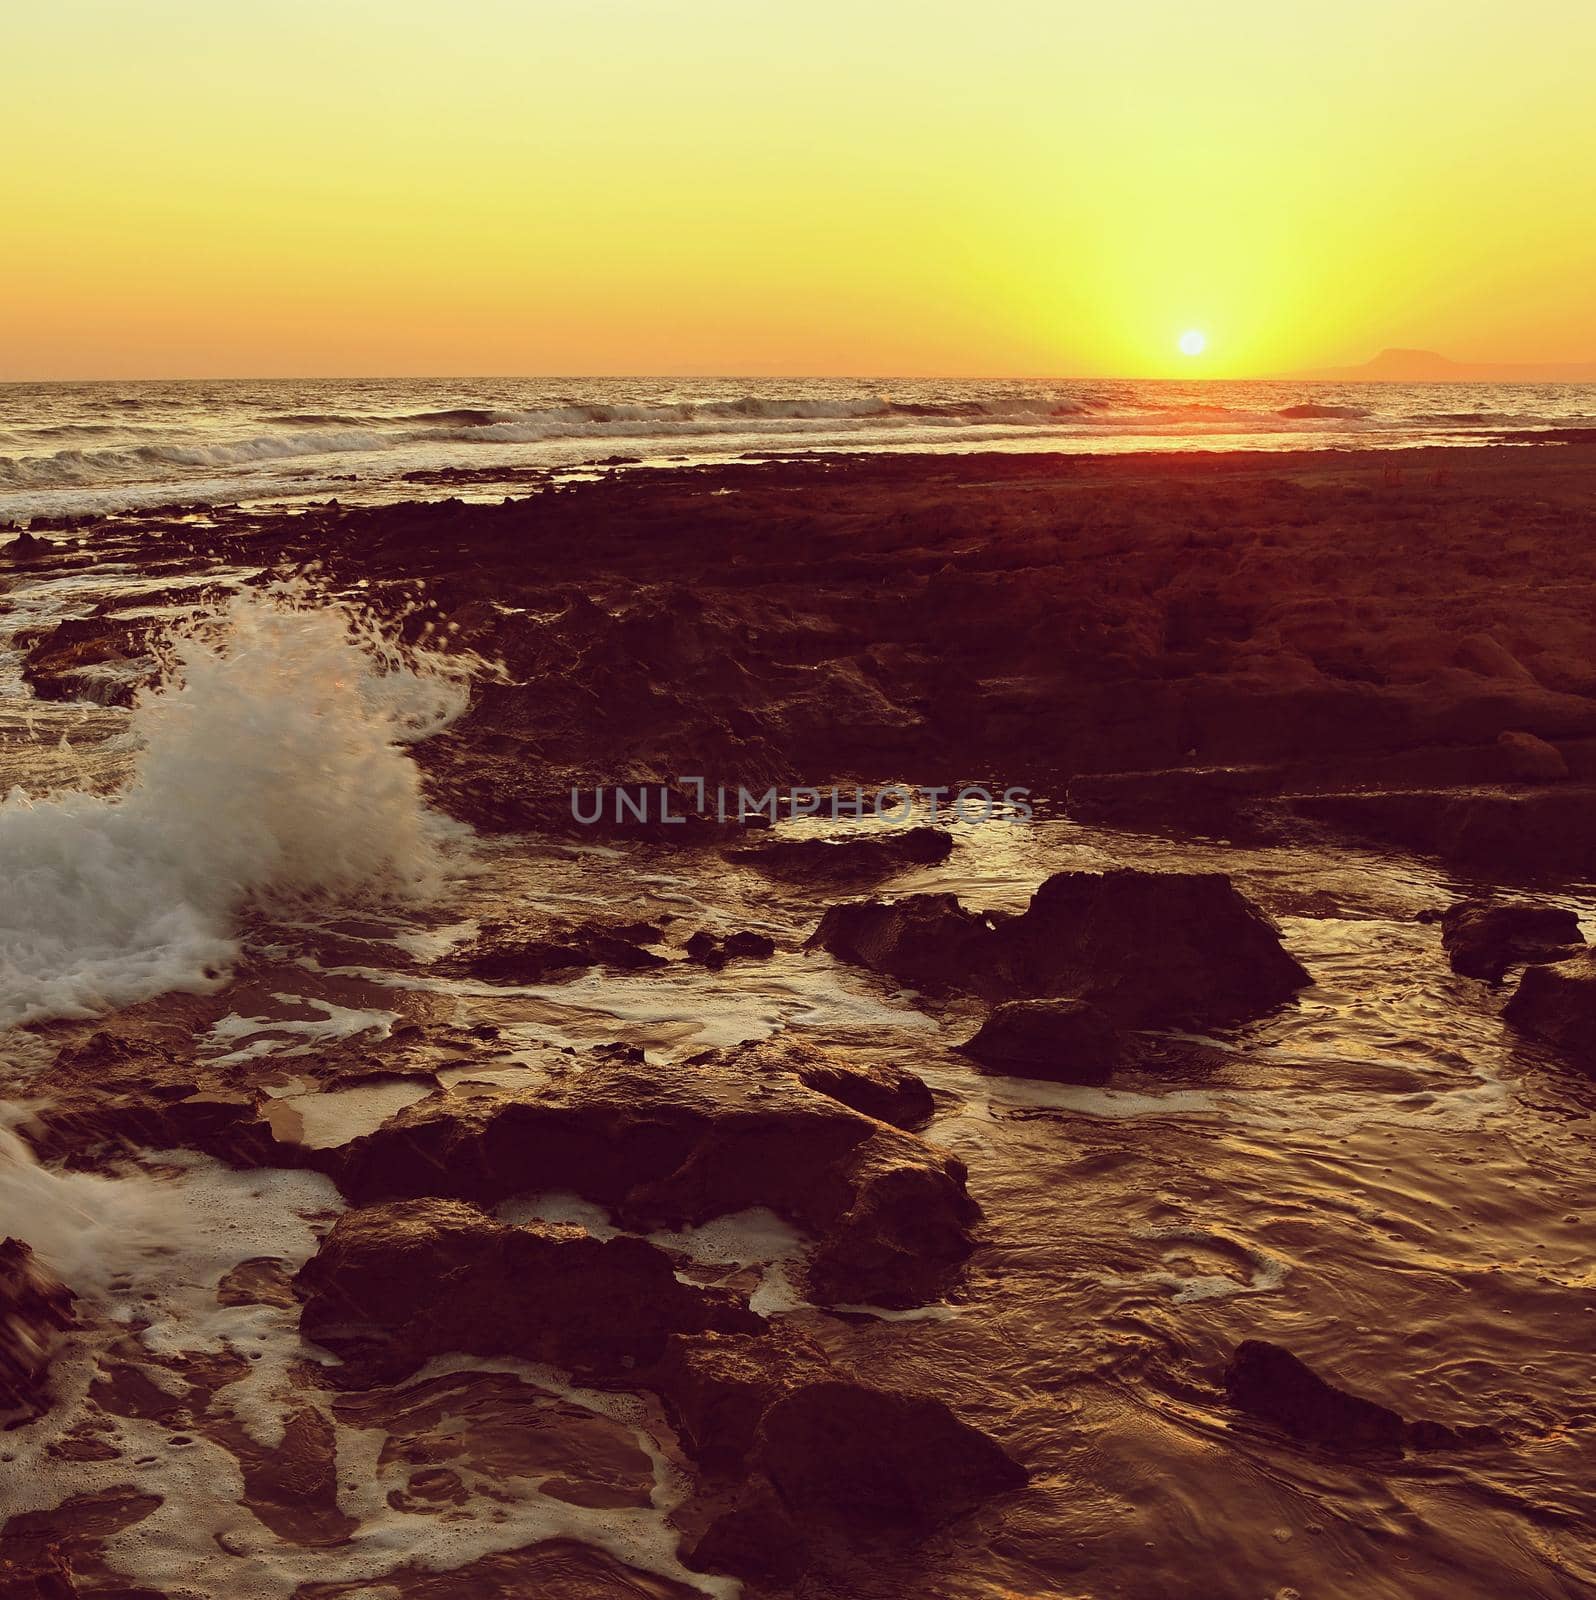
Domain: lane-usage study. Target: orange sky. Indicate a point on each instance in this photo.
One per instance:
(725, 186)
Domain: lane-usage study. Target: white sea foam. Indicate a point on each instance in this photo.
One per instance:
(271, 772)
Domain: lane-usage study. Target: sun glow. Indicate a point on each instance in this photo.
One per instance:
(1193, 343)
(571, 201)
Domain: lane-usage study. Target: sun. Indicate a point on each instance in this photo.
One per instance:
(1193, 342)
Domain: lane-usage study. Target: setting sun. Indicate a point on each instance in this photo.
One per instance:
(1193, 343)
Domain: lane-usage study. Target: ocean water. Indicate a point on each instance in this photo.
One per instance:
(73, 448)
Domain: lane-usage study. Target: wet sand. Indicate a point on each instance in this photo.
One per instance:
(1294, 672)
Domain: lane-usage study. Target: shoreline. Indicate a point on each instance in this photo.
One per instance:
(377, 489)
(1003, 614)
(1031, 1176)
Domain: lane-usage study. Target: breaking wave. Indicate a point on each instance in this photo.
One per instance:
(344, 433)
(271, 772)
(1313, 410)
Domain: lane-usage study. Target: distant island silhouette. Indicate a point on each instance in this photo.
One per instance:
(1426, 366)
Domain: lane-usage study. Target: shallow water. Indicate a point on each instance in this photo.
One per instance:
(1377, 1175)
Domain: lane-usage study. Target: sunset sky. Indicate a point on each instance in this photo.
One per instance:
(901, 187)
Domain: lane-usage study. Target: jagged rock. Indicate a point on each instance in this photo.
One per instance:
(871, 856)
(713, 952)
(393, 1285)
(1483, 938)
(35, 1309)
(501, 956)
(1147, 948)
(929, 940)
(738, 1130)
(812, 1453)
(26, 547)
(1267, 1381)
(1064, 1041)
(90, 658)
(878, 1089)
(717, 1386)
(259, 1281)
(1557, 1002)
(1527, 758)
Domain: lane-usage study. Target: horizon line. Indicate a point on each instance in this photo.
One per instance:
(1303, 375)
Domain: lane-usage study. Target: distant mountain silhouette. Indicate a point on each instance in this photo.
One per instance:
(1425, 366)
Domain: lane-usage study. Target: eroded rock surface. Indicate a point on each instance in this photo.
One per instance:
(794, 1452)
(1557, 1002)
(722, 1134)
(394, 1285)
(928, 940)
(1067, 1041)
(1146, 948)
(502, 954)
(1483, 938)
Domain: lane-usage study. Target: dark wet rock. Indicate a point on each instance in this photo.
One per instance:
(35, 1310)
(713, 951)
(756, 1539)
(27, 547)
(1527, 758)
(717, 1387)
(1064, 1041)
(1147, 948)
(872, 855)
(502, 955)
(739, 1130)
(375, 1294)
(878, 1089)
(928, 940)
(1483, 938)
(1268, 1382)
(1222, 802)
(58, 1553)
(812, 1454)
(292, 1486)
(846, 1451)
(1500, 832)
(48, 1576)
(467, 1421)
(260, 1281)
(1557, 1003)
(89, 658)
(64, 522)
(154, 1105)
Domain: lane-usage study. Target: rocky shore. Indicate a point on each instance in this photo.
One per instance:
(1309, 744)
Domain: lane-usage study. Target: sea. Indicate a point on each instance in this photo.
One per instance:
(71, 449)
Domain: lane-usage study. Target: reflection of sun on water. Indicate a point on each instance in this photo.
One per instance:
(1193, 343)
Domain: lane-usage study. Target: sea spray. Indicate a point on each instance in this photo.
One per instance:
(270, 773)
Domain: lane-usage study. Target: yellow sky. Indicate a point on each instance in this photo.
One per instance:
(985, 187)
